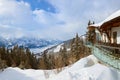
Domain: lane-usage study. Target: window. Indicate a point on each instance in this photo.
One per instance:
(114, 37)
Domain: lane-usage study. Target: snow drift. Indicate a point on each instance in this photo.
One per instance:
(87, 68)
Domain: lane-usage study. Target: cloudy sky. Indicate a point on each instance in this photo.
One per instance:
(54, 19)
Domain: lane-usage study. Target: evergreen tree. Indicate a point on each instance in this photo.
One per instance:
(76, 48)
(89, 23)
(1, 62)
(22, 65)
(64, 56)
(17, 57)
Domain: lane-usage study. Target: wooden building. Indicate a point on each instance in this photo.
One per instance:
(106, 39)
(108, 30)
(94, 34)
(112, 30)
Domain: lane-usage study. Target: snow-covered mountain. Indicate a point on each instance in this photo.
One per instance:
(86, 68)
(3, 41)
(31, 43)
(67, 44)
(56, 48)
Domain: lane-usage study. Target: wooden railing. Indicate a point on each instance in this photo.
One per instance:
(106, 56)
(115, 51)
(107, 53)
(108, 44)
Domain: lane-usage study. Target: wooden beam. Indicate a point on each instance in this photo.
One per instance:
(108, 36)
(116, 24)
(109, 47)
(112, 23)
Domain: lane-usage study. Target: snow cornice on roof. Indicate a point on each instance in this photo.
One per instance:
(114, 15)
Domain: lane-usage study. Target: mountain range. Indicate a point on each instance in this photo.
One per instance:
(28, 42)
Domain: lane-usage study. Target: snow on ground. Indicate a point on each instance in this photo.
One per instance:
(18, 74)
(68, 49)
(57, 49)
(87, 68)
(114, 15)
(39, 50)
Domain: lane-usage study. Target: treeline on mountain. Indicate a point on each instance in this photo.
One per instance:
(17, 57)
(22, 57)
(63, 57)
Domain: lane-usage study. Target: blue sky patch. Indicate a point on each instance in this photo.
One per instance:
(40, 4)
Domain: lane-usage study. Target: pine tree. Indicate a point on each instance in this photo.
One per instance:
(51, 61)
(22, 65)
(44, 61)
(89, 23)
(28, 57)
(64, 56)
(76, 48)
(0, 62)
(17, 57)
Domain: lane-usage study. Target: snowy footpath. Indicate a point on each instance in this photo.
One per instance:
(87, 68)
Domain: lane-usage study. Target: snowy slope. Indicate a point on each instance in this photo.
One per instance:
(55, 49)
(39, 50)
(87, 68)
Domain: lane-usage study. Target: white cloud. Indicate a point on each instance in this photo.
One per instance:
(17, 15)
(45, 18)
(80, 11)
(71, 17)
(7, 32)
(13, 12)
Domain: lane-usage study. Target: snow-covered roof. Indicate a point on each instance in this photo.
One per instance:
(114, 15)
